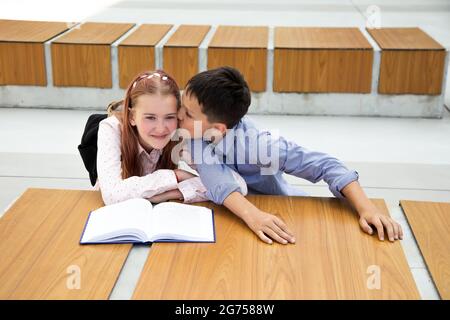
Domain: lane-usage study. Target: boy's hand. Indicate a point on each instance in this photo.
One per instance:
(267, 225)
(370, 215)
(380, 221)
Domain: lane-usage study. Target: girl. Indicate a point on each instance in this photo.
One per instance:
(134, 145)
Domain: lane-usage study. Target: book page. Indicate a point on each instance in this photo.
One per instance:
(118, 220)
(171, 220)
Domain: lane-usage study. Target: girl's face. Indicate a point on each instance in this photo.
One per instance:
(155, 118)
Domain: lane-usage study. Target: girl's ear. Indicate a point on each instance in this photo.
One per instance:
(131, 116)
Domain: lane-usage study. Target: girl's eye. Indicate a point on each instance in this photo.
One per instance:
(150, 118)
(171, 117)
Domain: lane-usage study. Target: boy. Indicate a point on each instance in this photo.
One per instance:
(216, 101)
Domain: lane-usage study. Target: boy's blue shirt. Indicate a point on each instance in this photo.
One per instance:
(238, 151)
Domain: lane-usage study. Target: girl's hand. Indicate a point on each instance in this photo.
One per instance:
(174, 194)
(183, 175)
(380, 221)
(268, 226)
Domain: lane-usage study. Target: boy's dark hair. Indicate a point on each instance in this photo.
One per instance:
(222, 93)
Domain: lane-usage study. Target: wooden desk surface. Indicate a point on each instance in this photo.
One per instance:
(40, 253)
(332, 259)
(430, 222)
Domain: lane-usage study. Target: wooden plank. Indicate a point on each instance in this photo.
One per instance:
(404, 39)
(244, 48)
(40, 248)
(22, 57)
(181, 63)
(30, 31)
(180, 53)
(322, 71)
(240, 37)
(411, 72)
(147, 35)
(82, 57)
(22, 63)
(332, 259)
(188, 36)
(134, 60)
(137, 51)
(320, 38)
(430, 223)
(411, 61)
(76, 65)
(322, 60)
(95, 33)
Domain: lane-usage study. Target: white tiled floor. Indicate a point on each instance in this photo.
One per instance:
(396, 158)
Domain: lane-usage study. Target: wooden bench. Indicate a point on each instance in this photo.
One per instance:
(137, 51)
(22, 52)
(244, 48)
(322, 60)
(82, 57)
(411, 61)
(181, 51)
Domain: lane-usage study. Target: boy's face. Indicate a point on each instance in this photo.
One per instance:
(191, 117)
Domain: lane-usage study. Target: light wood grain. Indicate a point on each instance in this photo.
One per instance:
(39, 245)
(240, 37)
(252, 63)
(134, 60)
(411, 72)
(404, 39)
(180, 53)
(146, 35)
(30, 31)
(320, 38)
(22, 58)
(95, 33)
(76, 65)
(330, 260)
(322, 60)
(430, 223)
(137, 51)
(82, 57)
(188, 36)
(22, 63)
(306, 70)
(411, 61)
(244, 48)
(181, 63)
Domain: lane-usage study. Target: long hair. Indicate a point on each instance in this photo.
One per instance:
(142, 84)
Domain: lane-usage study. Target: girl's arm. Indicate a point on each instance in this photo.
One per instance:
(113, 187)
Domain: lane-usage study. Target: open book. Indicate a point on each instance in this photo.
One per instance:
(138, 221)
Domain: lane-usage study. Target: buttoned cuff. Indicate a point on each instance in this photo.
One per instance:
(163, 180)
(342, 182)
(192, 190)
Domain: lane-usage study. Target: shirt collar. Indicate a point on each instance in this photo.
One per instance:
(154, 152)
(224, 146)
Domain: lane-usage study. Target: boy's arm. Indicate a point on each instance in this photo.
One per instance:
(370, 215)
(343, 183)
(224, 189)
